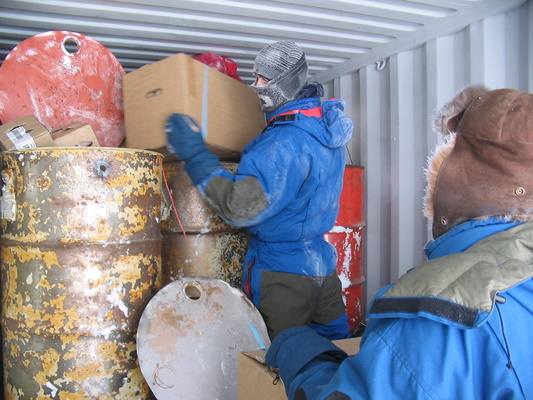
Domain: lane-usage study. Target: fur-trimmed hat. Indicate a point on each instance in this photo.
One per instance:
(484, 167)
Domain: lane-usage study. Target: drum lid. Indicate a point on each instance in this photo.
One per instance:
(190, 335)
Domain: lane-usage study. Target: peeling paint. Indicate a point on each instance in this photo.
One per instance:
(52, 388)
(74, 286)
(347, 237)
(207, 246)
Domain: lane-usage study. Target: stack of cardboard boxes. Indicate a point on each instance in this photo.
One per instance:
(28, 132)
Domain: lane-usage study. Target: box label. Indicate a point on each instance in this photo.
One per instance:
(20, 138)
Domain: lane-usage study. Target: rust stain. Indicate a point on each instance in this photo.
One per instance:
(79, 264)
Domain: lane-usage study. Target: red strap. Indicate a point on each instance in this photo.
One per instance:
(248, 283)
(309, 112)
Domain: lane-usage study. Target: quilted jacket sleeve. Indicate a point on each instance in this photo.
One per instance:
(312, 370)
(306, 361)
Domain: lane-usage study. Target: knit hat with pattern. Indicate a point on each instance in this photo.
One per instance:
(283, 63)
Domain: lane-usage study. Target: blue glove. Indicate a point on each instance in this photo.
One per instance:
(185, 140)
(294, 348)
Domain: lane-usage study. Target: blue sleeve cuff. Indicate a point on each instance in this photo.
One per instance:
(201, 166)
(295, 348)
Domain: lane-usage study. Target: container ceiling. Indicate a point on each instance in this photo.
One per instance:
(338, 36)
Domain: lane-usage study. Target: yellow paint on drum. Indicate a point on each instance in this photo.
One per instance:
(81, 258)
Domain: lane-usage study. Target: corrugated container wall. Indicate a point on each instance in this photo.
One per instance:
(392, 104)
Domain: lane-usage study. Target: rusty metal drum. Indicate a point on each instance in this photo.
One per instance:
(81, 258)
(348, 238)
(196, 241)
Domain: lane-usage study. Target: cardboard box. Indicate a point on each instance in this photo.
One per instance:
(24, 133)
(75, 134)
(258, 383)
(228, 111)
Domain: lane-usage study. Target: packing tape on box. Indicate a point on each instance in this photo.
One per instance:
(205, 101)
(257, 337)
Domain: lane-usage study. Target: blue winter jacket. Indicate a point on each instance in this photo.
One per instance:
(287, 186)
(457, 327)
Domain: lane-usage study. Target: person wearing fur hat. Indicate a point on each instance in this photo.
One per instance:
(285, 192)
(457, 326)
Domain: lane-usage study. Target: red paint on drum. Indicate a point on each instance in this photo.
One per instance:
(354, 296)
(347, 236)
(63, 77)
(352, 206)
(349, 244)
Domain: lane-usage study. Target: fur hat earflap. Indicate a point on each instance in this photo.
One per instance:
(449, 115)
(484, 166)
(432, 171)
(445, 123)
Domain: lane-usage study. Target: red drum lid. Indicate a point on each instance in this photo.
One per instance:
(63, 77)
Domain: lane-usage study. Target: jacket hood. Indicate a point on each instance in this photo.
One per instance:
(334, 129)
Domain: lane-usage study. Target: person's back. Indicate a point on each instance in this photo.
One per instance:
(456, 327)
(450, 351)
(300, 162)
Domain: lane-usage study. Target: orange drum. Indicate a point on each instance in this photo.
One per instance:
(347, 236)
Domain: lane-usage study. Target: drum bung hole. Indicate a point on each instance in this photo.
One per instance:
(193, 291)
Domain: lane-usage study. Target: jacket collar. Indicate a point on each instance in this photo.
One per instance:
(460, 289)
(465, 235)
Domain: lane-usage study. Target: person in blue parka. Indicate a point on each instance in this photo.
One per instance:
(460, 325)
(285, 192)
